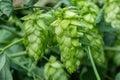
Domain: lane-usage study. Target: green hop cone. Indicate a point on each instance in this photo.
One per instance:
(112, 13)
(36, 35)
(72, 27)
(87, 24)
(68, 38)
(89, 12)
(53, 70)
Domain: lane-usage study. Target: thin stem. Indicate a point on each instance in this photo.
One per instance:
(112, 48)
(58, 4)
(47, 8)
(9, 45)
(26, 68)
(93, 64)
(66, 2)
(18, 63)
(46, 58)
(17, 54)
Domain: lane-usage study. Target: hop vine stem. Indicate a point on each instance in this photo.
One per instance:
(9, 45)
(46, 58)
(46, 8)
(17, 54)
(25, 68)
(117, 48)
(66, 2)
(93, 64)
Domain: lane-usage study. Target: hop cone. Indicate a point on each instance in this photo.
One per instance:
(84, 32)
(36, 35)
(112, 13)
(53, 70)
(68, 38)
(92, 36)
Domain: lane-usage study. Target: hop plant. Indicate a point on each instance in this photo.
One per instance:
(73, 27)
(112, 16)
(36, 34)
(89, 12)
(112, 13)
(68, 38)
(53, 70)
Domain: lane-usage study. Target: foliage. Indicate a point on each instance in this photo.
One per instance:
(64, 40)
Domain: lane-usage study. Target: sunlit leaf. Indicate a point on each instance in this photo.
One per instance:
(118, 76)
(5, 73)
(2, 61)
(6, 7)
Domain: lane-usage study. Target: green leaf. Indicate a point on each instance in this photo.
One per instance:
(6, 7)
(2, 61)
(39, 72)
(109, 38)
(105, 27)
(4, 35)
(117, 76)
(7, 1)
(5, 73)
(108, 32)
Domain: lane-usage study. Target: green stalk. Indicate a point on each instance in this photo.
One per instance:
(9, 45)
(66, 2)
(117, 48)
(93, 64)
(25, 68)
(46, 58)
(57, 5)
(17, 54)
(30, 7)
